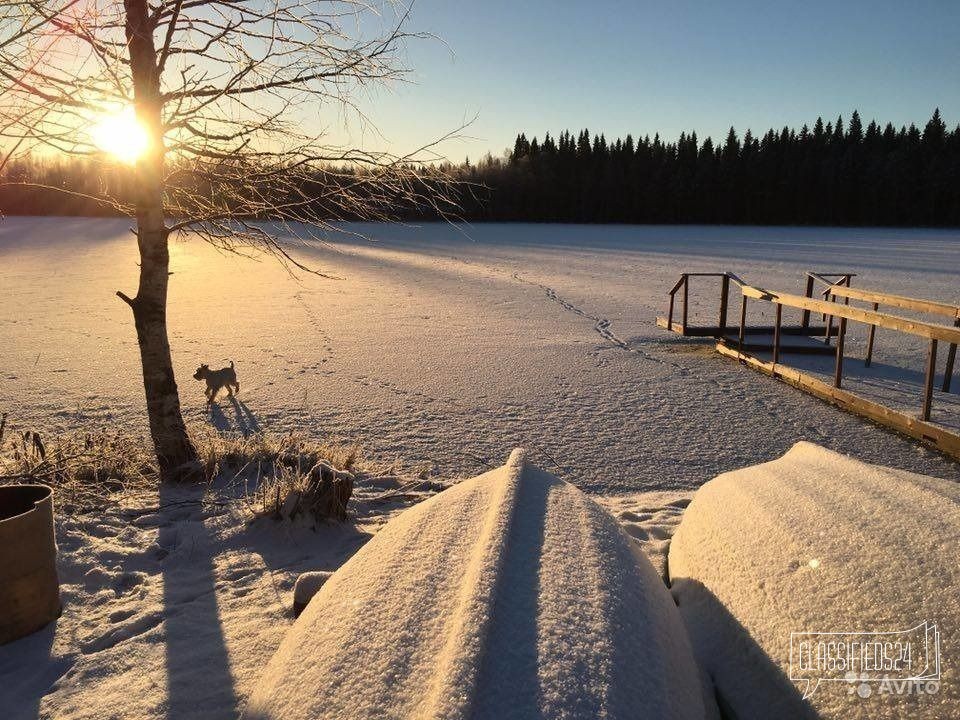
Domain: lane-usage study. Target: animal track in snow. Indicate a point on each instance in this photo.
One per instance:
(602, 326)
(120, 633)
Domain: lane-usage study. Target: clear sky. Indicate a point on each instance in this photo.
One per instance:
(641, 66)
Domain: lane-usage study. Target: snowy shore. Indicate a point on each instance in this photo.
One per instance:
(446, 344)
(433, 346)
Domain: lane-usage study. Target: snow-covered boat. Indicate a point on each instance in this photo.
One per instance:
(820, 586)
(510, 595)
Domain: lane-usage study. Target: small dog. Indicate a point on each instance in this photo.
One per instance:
(217, 380)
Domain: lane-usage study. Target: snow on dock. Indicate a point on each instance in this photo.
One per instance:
(510, 595)
(817, 542)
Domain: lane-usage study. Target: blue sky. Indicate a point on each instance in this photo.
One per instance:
(617, 66)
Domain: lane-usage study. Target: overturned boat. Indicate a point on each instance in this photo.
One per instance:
(510, 595)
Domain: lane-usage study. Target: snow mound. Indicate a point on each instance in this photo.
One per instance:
(819, 542)
(510, 595)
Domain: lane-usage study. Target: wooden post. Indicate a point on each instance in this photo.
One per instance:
(686, 296)
(873, 331)
(776, 334)
(841, 335)
(829, 318)
(928, 383)
(807, 293)
(951, 358)
(670, 312)
(743, 322)
(724, 291)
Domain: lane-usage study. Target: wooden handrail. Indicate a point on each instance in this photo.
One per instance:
(900, 301)
(735, 279)
(843, 312)
(892, 322)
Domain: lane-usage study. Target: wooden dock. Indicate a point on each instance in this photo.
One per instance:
(741, 341)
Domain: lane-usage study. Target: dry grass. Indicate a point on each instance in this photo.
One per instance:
(87, 470)
(286, 475)
(274, 475)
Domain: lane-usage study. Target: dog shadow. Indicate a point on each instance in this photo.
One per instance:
(243, 421)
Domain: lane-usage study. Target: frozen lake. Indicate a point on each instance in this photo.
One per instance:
(450, 346)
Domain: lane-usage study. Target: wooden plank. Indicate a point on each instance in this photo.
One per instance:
(884, 320)
(686, 298)
(928, 381)
(714, 330)
(899, 301)
(951, 359)
(829, 319)
(724, 293)
(743, 319)
(785, 348)
(933, 435)
(776, 334)
(873, 331)
(808, 292)
(841, 335)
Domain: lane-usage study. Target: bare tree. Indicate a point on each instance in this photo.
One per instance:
(223, 90)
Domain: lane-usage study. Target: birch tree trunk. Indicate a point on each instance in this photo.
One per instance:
(175, 452)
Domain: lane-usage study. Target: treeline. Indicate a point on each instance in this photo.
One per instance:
(97, 186)
(838, 173)
(833, 174)
(63, 185)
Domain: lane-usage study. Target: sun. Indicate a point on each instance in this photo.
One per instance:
(121, 134)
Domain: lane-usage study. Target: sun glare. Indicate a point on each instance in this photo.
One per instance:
(120, 134)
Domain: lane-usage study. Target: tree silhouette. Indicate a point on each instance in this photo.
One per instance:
(219, 88)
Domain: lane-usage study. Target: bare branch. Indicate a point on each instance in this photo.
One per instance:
(242, 88)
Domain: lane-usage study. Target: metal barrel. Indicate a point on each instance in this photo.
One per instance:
(29, 588)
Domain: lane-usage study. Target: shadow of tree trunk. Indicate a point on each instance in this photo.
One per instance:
(199, 680)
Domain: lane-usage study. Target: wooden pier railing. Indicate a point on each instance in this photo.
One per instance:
(832, 305)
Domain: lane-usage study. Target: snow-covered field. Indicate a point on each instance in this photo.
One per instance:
(442, 344)
(434, 344)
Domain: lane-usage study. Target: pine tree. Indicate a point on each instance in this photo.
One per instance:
(521, 148)
(935, 131)
(855, 132)
(731, 148)
(838, 131)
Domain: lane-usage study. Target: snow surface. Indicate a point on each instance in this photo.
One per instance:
(510, 595)
(817, 542)
(438, 344)
(447, 344)
(171, 609)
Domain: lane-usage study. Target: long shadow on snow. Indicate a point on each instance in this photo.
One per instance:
(32, 651)
(510, 659)
(737, 665)
(800, 246)
(199, 681)
(244, 422)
